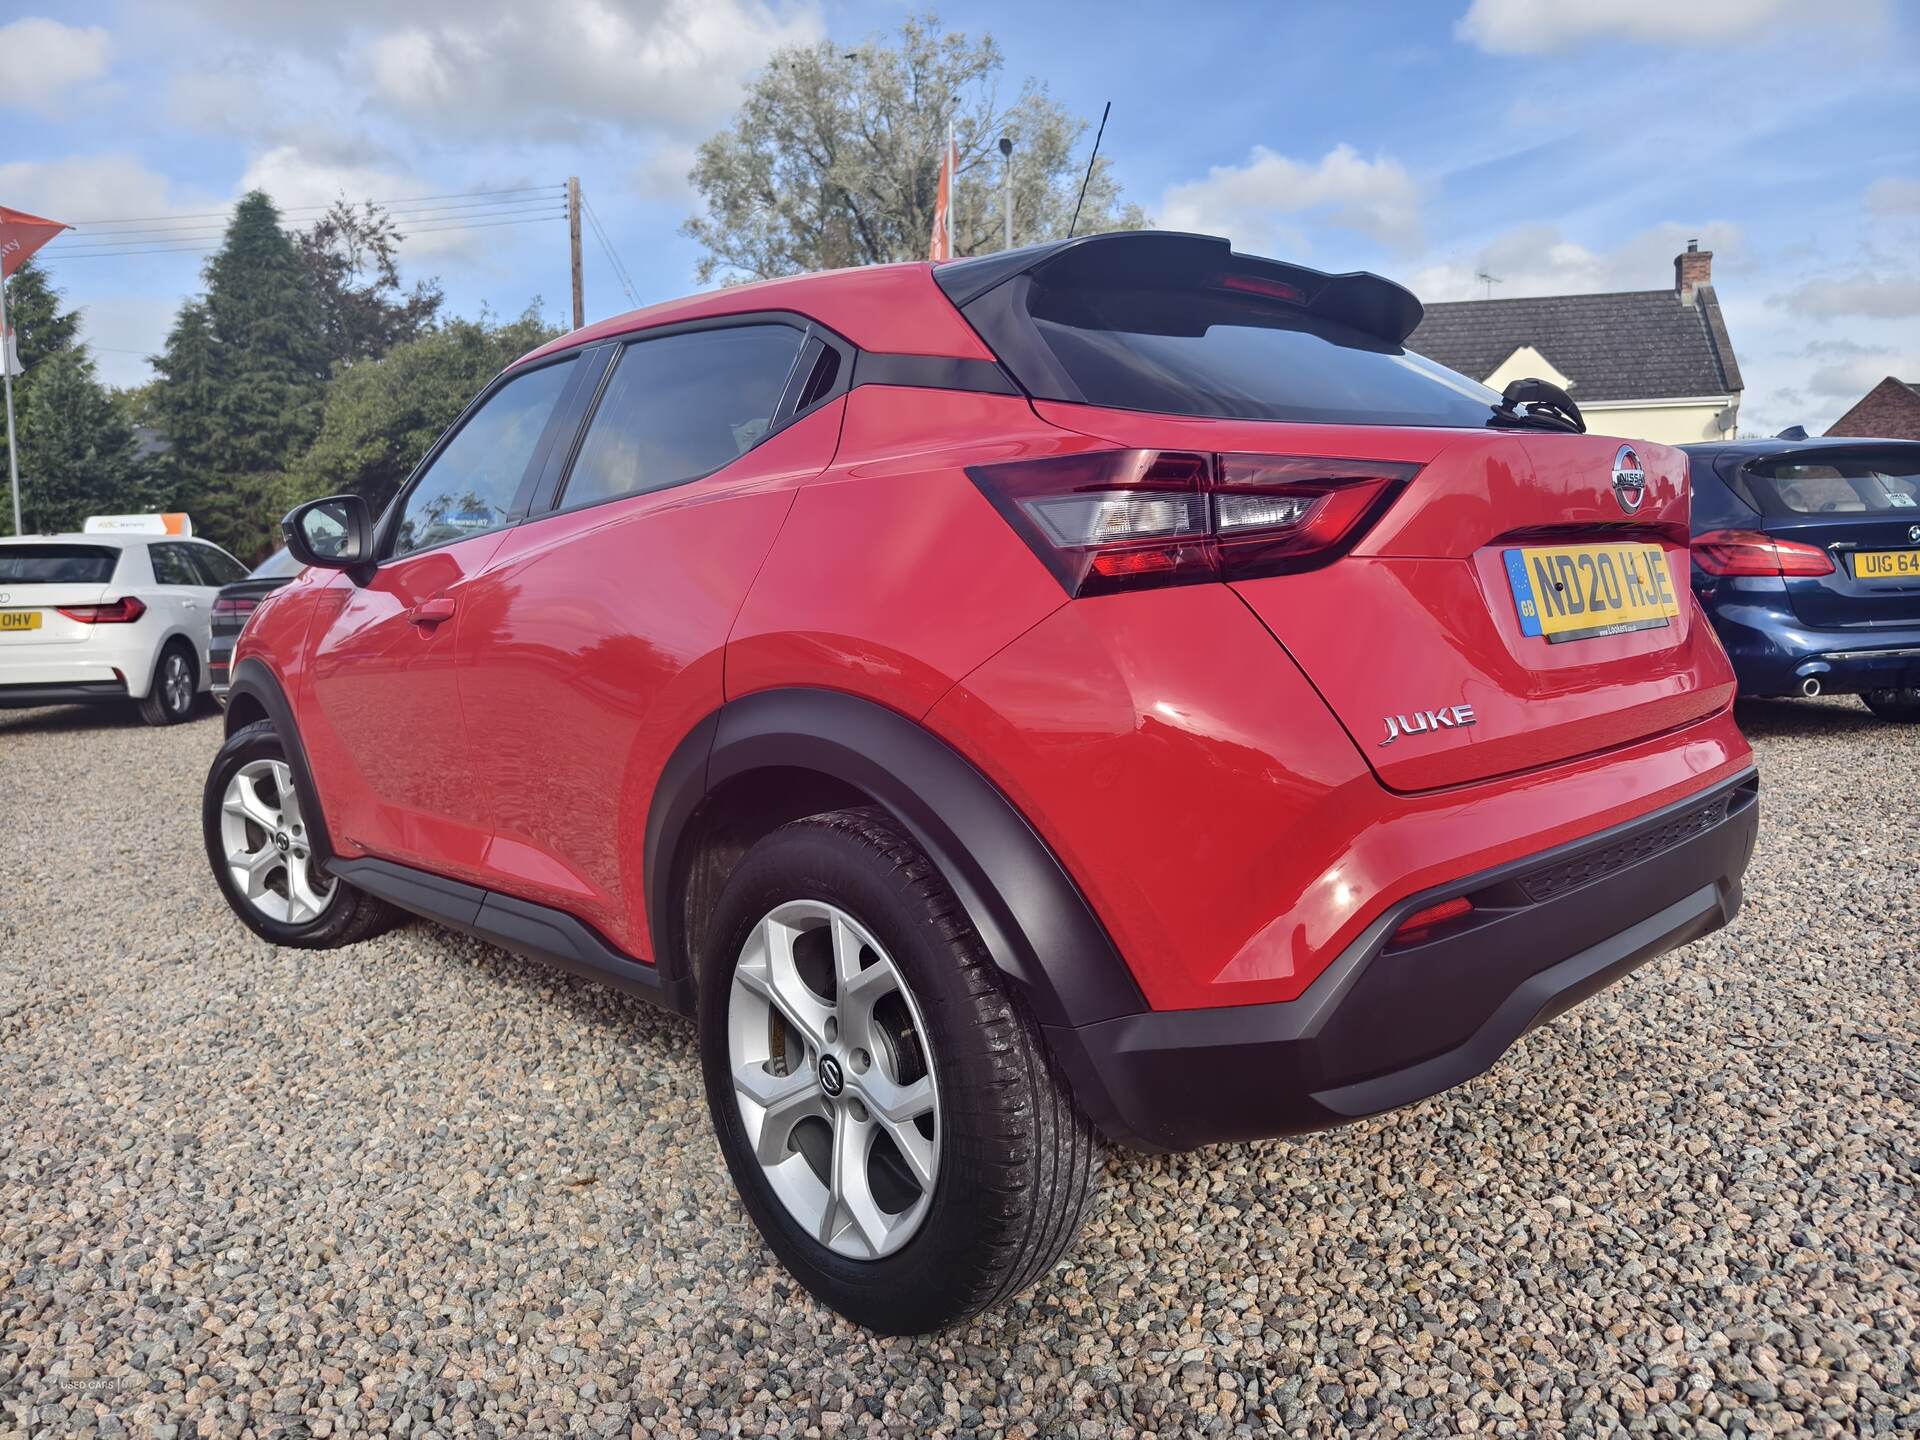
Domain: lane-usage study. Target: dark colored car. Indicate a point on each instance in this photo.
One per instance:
(1106, 689)
(1806, 556)
(234, 604)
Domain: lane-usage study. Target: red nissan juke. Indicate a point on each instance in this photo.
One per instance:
(1108, 690)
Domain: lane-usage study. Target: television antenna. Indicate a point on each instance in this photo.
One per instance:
(1490, 280)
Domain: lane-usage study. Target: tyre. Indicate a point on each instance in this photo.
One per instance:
(1902, 706)
(176, 683)
(888, 1109)
(262, 856)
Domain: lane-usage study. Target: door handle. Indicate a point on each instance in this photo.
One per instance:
(432, 612)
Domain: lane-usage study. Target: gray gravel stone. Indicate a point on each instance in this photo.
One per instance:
(419, 1187)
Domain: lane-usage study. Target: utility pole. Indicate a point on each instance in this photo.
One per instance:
(6, 365)
(1006, 154)
(573, 249)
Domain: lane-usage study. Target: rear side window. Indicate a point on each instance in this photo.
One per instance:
(1863, 483)
(681, 407)
(1188, 352)
(57, 564)
(471, 485)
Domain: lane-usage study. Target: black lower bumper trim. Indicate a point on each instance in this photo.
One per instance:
(75, 692)
(1390, 1023)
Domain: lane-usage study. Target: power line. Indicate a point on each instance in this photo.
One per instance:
(613, 259)
(291, 209)
(406, 223)
(444, 227)
(184, 226)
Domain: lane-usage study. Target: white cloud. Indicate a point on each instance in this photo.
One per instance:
(79, 188)
(1860, 292)
(1894, 196)
(1245, 203)
(40, 60)
(1534, 27)
(672, 65)
(1541, 260)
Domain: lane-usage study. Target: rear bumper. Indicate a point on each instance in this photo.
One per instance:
(1773, 653)
(72, 692)
(1387, 1024)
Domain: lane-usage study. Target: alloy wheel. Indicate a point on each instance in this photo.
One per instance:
(834, 1079)
(176, 683)
(268, 852)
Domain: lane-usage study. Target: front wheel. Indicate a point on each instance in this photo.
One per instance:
(887, 1108)
(262, 852)
(1901, 706)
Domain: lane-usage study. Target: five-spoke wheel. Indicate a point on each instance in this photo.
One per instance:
(834, 1079)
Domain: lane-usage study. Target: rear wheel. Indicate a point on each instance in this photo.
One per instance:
(176, 681)
(262, 852)
(887, 1108)
(1898, 705)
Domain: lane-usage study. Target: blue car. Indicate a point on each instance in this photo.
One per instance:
(1806, 556)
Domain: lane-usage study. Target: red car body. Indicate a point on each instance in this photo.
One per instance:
(556, 732)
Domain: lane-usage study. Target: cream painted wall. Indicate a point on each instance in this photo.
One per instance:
(1526, 363)
(1662, 424)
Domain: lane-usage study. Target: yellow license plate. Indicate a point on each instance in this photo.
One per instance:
(19, 620)
(1575, 592)
(1887, 565)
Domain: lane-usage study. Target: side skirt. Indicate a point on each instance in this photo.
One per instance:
(536, 931)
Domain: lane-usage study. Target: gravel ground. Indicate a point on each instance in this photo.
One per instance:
(420, 1187)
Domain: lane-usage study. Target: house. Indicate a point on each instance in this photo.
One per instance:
(1646, 364)
(1891, 410)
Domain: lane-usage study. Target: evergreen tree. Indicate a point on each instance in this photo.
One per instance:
(243, 379)
(75, 446)
(76, 449)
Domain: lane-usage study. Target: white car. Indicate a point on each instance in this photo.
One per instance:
(110, 614)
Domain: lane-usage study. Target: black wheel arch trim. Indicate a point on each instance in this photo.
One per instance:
(252, 680)
(1036, 925)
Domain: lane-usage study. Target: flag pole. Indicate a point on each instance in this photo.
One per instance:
(6, 365)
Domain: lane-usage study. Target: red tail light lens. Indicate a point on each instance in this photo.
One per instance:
(1131, 519)
(1749, 552)
(119, 612)
(1421, 921)
(234, 605)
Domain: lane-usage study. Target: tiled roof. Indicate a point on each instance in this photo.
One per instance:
(1629, 345)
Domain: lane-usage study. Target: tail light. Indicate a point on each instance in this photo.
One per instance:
(234, 604)
(117, 612)
(1749, 552)
(1131, 519)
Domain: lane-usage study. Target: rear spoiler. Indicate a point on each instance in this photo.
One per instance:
(1165, 259)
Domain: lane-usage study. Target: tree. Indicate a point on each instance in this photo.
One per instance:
(382, 417)
(33, 310)
(76, 449)
(242, 380)
(351, 259)
(834, 159)
(77, 454)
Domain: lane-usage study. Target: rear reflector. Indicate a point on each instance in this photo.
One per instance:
(1749, 552)
(1432, 915)
(117, 612)
(1129, 519)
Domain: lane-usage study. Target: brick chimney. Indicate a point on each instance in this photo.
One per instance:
(1692, 268)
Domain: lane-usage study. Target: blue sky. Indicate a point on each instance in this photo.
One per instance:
(1563, 148)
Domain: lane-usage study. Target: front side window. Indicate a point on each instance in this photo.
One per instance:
(470, 487)
(173, 566)
(681, 407)
(216, 567)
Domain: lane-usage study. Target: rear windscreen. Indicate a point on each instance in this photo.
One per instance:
(1858, 484)
(280, 563)
(1189, 352)
(57, 564)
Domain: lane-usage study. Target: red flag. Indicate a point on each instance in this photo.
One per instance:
(20, 235)
(942, 247)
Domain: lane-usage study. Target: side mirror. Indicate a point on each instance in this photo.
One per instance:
(336, 533)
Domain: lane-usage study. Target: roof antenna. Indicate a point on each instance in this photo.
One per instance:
(1491, 281)
(1090, 159)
